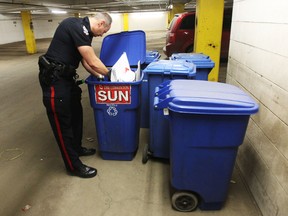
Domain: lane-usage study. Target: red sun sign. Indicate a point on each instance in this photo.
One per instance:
(113, 94)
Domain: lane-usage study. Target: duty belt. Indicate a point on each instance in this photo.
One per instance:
(62, 70)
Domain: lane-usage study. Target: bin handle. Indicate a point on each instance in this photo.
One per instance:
(161, 104)
(156, 102)
(157, 90)
(163, 93)
(162, 85)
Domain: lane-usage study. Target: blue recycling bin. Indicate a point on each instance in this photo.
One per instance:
(206, 128)
(116, 105)
(157, 73)
(203, 63)
(151, 56)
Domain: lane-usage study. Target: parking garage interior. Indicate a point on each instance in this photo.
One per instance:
(33, 178)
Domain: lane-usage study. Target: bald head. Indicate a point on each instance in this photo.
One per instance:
(100, 23)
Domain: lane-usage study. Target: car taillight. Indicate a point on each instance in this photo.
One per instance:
(172, 38)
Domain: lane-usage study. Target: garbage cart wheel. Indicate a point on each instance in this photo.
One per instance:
(184, 201)
(146, 154)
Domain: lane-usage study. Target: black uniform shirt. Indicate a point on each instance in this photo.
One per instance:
(70, 34)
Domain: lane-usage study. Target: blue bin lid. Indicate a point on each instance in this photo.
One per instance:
(223, 100)
(199, 59)
(196, 56)
(169, 67)
(152, 55)
(131, 42)
(169, 85)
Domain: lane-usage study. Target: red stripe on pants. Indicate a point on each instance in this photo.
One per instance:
(59, 129)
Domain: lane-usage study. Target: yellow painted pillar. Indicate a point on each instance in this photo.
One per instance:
(77, 15)
(126, 22)
(177, 8)
(28, 32)
(208, 32)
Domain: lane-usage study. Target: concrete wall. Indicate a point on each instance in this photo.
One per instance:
(11, 29)
(44, 27)
(258, 63)
(149, 21)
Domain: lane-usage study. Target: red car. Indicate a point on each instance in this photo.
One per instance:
(180, 34)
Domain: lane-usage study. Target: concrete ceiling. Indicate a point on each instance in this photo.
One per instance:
(85, 6)
(44, 7)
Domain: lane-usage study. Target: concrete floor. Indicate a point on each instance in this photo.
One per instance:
(33, 174)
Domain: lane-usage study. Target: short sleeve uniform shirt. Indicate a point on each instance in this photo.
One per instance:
(70, 34)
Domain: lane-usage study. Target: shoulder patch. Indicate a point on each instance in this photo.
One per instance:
(85, 30)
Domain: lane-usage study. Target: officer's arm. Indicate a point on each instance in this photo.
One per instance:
(89, 69)
(92, 61)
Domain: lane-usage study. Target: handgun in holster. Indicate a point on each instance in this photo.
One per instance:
(46, 75)
(43, 62)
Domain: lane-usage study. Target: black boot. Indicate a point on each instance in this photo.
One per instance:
(84, 171)
(86, 152)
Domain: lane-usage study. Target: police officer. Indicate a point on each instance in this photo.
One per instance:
(71, 44)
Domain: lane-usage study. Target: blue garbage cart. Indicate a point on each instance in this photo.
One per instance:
(116, 105)
(157, 73)
(206, 128)
(203, 63)
(151, 56)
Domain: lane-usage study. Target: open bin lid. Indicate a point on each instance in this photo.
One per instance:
(169, 67)
(210, 101)
(199, 59)
(131, 42)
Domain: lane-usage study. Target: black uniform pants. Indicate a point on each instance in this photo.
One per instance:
(62, 100)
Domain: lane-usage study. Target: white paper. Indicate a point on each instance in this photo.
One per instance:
(121, 71)
(128, 76)
(138, 72)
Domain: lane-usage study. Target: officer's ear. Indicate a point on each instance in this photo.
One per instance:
(103, 23)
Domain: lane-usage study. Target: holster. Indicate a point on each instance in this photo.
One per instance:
(43, 62)
(50, 71)
(46, 74)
